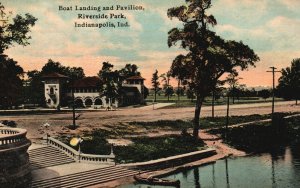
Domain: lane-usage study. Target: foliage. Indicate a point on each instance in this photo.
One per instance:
(12, 31)
(289, 82)
(168, 89)
(265, 93)
(155, 83)
(190, 94)
(10, 81)
(93, 143)
(15, 30)
(163, 124)
(145, 148)
(129, 70)
(262, 137)
(106, 73)
(74, 73)
(111, 85)
(209, 56)
(35, 78)
(233, 81)
(146, 92)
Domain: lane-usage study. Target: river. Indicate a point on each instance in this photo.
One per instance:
(280, 168)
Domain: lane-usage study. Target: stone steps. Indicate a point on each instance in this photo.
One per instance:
(85, 179)
(47, 157)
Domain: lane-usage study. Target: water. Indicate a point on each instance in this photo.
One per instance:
(280, 168)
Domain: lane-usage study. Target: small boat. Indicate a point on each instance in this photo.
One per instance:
(156, 181)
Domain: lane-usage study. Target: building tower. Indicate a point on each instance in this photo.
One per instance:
(53, 88)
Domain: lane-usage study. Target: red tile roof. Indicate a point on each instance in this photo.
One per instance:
(87, 82)
(135, 78)
(54, 75)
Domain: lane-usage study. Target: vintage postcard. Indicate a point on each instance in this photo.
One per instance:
(149, 93)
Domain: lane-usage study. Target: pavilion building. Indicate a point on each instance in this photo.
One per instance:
(87, 94)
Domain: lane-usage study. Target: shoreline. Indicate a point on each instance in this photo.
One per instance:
(212, 141)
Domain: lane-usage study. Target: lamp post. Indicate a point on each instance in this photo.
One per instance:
(227, 114)
(73, 103)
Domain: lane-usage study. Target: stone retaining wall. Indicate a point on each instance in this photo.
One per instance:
(172, 161)
(14, 159)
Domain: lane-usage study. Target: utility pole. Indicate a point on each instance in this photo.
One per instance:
(273, 89)
(227, 114)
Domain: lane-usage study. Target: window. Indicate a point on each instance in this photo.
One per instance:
(51, 91)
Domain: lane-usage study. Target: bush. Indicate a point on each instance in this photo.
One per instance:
(145, 148)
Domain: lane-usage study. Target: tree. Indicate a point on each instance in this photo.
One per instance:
(129, 70)
(74, 73)
(233, 81)
(155, 83)
(15, 30)
(11, 83)
(265, 93)
(35, 88)
(169, 91)
(107, 74)
(110, 86)
(146, 92)
(178, 71)
(110, 89)
(289, 82)
(208, 55)
(190, 94)
(35, 79)
(216, 93)
(12, 31)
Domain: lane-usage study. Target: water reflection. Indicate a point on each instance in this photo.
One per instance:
(213, 176)
(197, 178)
(227, 174)
(279, 168)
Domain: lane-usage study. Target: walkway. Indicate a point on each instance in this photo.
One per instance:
(155, 106)
(85, 179)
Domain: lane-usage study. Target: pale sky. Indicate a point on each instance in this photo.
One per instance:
(269, 27)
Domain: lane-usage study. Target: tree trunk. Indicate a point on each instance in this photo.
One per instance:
(178, 91)
(233, 94)
(199, 102)
(213, 105)
(154, 94)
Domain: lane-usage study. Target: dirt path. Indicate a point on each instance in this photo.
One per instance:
(98, 119)
(222, 149)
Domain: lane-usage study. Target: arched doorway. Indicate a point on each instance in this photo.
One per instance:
(88, 102)
(79, 103)
(98, 102)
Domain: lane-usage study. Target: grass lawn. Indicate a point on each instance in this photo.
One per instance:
(142, 148)
(145, 148)
(205, 123)
(257, 136)
(185, 102)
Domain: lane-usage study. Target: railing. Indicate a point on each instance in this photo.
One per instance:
(10, 136)
(81, 157)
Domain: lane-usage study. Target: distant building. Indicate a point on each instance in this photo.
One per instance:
(53, 88)
(87, 92)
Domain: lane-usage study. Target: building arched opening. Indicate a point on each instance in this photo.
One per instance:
(79, 103)
(51, 91)
(88, 102)
(98, 102)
